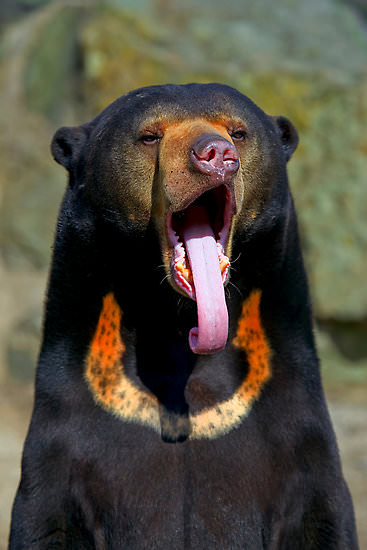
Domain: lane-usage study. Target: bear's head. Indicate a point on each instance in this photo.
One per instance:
(202, 164)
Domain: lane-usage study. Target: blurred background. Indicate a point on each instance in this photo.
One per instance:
(61, 62)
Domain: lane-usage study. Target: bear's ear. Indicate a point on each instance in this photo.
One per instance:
(67, 145)
(287, 134)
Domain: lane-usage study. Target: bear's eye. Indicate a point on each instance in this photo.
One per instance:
(150, 139)
(238, 135)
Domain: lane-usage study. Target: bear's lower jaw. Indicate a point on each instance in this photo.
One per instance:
(182, 273)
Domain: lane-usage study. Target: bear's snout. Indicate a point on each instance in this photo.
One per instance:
(215, 156)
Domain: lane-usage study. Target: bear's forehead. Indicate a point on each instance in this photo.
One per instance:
(181, 102)
(186, 94)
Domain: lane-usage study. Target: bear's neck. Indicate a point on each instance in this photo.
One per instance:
(126, 329)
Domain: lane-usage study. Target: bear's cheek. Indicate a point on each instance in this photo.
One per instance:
(123, 191)
(259, 177)
(133, 195)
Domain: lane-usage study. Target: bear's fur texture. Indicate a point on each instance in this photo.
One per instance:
(137, 442)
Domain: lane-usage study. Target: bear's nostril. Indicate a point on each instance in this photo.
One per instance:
(204, 154)
(230, 154)
(211, 155)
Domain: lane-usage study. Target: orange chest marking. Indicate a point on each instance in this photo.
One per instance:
(115, 392)
(103, 368)
(251, 339)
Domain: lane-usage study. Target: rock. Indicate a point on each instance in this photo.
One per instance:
(342, 365)
(31, 188)
(122, 51)
(31, 184)
(21, 301)
(50, 76)
(23, 347)
(329, 185)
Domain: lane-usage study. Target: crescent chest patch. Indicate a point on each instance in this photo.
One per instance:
(116, 393)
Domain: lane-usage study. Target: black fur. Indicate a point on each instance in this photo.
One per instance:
(91, 480)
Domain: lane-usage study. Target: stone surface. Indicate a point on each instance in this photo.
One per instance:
(50, 75)
(23, 346)
(21, 306)
(31, 185)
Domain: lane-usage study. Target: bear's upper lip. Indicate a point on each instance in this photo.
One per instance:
(220, 207)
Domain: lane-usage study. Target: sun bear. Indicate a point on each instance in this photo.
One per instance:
(178, 400)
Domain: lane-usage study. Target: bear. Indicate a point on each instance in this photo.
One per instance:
(178, 397)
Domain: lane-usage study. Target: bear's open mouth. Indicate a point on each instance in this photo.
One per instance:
(198, 238)
(215, 206)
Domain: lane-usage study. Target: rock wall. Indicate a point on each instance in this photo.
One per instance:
(61, 62)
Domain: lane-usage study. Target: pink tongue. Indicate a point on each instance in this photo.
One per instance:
(201, 247)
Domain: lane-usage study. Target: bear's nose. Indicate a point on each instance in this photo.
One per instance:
(215, 156)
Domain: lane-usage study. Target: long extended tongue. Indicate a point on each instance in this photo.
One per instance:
(212, 333)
